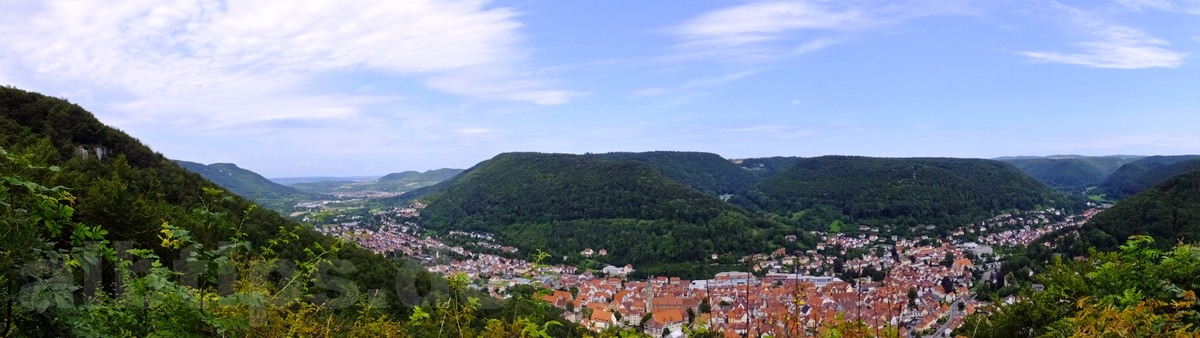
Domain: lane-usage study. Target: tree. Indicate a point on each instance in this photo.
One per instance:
(1137, 291)
(947, 284)
(645, 319)
(912, 298)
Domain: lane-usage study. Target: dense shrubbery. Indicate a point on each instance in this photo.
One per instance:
(1137, 291)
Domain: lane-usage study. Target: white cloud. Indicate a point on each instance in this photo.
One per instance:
(231, 62)
(770, 30)
(1111, 46)
(1183, 6)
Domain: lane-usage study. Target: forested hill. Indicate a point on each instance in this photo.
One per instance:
(1169, 212)
(1146, 172)
(566, 203)
(128, 189)
(706, 172)
(1072, 174)
(120, 191)
(240, 181)
(902, 191)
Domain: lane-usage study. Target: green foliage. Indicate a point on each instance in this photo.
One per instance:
(1146, 172)
(899, 191)
(85, 260)
(242, 182)
(1168, 212)
(565, 203)
(1071, 174)
(1138, 291)
(706, 172)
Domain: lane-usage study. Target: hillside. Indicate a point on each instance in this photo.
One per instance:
(706, 172)
(240, 181)
(1072, 174)
(903, 191)
(1138, 175)
(394, 182)
(1169, 212)
(112, 194)
(566, 203)
(129, 189)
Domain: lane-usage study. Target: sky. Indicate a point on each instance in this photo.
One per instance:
(369, 87)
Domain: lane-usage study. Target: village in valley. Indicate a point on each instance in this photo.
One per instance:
(909, 286)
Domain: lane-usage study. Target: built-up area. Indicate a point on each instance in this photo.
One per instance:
(925, 285)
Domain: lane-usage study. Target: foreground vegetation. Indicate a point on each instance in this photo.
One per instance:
(1137, 291)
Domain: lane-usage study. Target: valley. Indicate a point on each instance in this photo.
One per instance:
(655, 243)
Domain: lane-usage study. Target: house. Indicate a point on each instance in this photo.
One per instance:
(602, 319)
(559, 299)
(667, 320)
(587, 252)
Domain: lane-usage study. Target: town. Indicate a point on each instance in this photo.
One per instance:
(904, 285)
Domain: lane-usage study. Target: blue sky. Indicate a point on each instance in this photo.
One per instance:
(372, 87)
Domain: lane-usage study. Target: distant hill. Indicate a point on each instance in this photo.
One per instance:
(1169, 212)
(565, 203)
(1146, 172)
(395, 182)
(902, 191)
(706, 172)
(240, 181)
(1070, 173)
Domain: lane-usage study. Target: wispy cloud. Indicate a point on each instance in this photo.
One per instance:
(771, 30)
(222, 63)
(693, 88)
(1182, 6)
(1111, 45)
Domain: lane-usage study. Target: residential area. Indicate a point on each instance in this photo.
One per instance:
(913, 286)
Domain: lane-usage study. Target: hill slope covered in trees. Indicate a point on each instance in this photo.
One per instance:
(903, 191)
(1168, 212)
(706, 172)
(1072, 174)
(80, 201)
(1138, 175)
(565, 203)
(242, 182)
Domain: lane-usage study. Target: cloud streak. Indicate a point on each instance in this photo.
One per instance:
(223, 63)
(778, 29)
(1111, 46)
(1182, 6)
